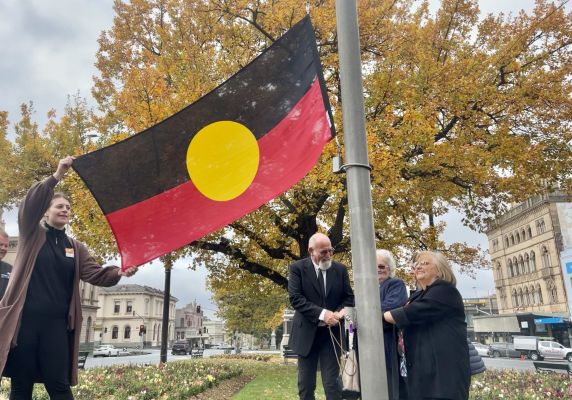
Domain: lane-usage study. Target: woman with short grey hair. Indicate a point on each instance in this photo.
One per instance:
(392, 294)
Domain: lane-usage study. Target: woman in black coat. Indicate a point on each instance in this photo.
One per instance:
(434, 333)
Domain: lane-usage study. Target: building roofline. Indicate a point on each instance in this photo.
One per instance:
(527, 205)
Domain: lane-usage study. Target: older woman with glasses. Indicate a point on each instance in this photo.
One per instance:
(393, 294)
(434, 333)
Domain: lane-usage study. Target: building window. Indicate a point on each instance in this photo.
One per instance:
(114, 332)
(539, 291)
(516, 269)
(523, 234)
(552, 293)
(127, 332)
(514, 298)
(129, 308)
(510, 269)
(512, 239)
(506, 241)
(540, 226)
(533, 295)
(528, 302)
(116, 306)
(527, 263)
(545, 258)
(517, 237)
(532, 261)
(529, 232)
(521, 297)
(182, 322)
(499, 271)
(521, 263)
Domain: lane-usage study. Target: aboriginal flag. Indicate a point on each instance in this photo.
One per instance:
(233, 150)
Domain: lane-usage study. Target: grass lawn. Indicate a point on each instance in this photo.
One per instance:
(275, 382)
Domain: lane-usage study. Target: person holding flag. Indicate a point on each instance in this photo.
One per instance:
(40, 313)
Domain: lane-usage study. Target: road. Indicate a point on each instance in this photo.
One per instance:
(152, 358)
(513, 363)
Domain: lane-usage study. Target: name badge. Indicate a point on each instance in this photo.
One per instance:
(69, 253)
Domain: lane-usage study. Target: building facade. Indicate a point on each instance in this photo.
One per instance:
(216, 333)
(476, 307)
(132, 316)
(189, 325)
(525, 245)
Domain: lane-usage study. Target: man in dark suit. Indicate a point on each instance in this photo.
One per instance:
(319, 289)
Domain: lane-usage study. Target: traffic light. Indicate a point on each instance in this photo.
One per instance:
(142, 330)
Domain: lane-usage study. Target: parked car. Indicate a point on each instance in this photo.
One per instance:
(503, 350)
(549, 349)
(180, 347)
(482, 349)
(536, 348)
(106, 350)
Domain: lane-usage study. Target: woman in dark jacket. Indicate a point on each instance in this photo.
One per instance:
(434, 333)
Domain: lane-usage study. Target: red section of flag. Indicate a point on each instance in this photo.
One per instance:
(181, 215)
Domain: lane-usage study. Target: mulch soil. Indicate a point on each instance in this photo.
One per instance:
(224, 390)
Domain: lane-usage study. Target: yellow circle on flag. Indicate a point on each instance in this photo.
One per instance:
(222, 160)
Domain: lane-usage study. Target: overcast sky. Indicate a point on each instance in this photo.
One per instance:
(49, 51)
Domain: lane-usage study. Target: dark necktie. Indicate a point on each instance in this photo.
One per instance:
(321, 283)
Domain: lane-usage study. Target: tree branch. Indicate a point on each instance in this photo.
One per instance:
(224, 247)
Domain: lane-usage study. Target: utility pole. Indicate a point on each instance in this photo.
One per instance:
(371, 350)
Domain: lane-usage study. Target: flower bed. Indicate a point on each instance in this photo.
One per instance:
(511, 384)
(172, 381)
(243, 356)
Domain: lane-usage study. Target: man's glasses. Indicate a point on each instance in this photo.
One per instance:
(326, 251)
(382, 267)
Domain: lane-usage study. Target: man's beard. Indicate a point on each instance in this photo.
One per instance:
(324, 265)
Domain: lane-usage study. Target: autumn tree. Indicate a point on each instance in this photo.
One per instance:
(463, 112)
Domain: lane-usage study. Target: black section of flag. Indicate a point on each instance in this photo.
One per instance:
(258, 96)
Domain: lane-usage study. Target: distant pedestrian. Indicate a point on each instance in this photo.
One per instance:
(40, 313)
(5, 268)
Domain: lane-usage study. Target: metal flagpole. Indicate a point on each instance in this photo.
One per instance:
(370, 332)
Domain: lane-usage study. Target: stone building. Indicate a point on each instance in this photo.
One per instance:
(216, 333)
(124, 309)
(189, 324)
(525, 246)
